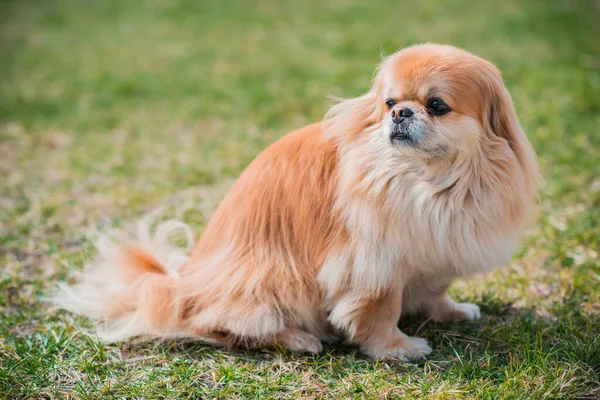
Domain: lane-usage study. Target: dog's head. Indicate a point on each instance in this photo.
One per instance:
(436, 102)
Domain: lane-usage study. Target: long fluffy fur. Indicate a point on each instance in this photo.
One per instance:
(329, 232)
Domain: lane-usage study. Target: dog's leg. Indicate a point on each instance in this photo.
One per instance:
(294, 339)
(372, 323)
(440, 306)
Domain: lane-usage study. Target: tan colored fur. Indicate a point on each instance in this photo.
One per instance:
(335, 231)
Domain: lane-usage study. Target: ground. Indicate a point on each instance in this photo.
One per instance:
(110, 109)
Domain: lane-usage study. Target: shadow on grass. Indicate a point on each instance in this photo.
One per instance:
(505, 338)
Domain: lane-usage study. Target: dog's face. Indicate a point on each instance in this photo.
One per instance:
(436, 112)
(436, 101)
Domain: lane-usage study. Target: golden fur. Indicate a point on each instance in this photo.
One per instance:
(337, 230)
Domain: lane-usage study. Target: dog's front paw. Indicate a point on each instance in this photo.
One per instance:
(405, 348)
(468, 311)
(446, 309)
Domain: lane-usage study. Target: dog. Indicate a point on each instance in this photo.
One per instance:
(341, 227)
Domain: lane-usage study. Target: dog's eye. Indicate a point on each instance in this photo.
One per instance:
(390, 103)
(437, 106)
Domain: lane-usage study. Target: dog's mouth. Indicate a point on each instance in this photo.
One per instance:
(399, 134)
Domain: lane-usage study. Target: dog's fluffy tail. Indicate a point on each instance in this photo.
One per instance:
(132, 287)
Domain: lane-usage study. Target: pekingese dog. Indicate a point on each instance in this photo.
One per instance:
(341, 227)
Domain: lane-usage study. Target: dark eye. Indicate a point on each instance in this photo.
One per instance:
(438, 107)
(390, 103)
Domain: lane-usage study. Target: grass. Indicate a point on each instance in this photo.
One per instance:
(109, 109)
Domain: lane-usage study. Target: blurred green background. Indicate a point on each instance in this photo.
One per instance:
(109, 109)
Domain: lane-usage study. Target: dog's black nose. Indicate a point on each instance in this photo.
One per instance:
(398, 115)
(406, 112)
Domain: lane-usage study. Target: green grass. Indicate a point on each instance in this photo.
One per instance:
(109, 109)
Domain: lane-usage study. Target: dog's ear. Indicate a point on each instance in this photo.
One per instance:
(503, 122)
(502, 116)
(351, 116)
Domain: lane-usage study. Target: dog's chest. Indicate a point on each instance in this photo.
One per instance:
(425, 235)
